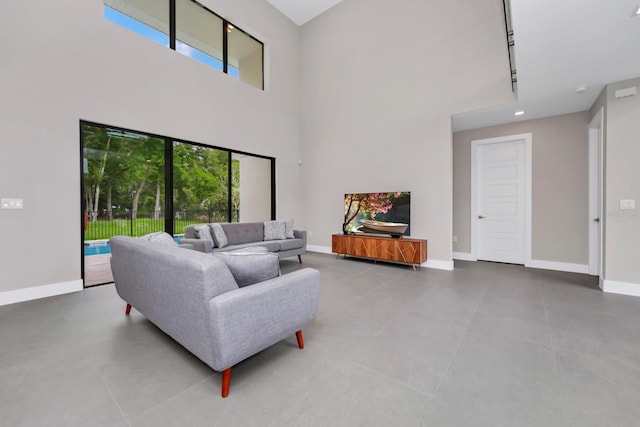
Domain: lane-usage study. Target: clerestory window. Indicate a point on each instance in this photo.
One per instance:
(193, 30)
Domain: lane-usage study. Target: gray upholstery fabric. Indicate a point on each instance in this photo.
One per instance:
(203, 232)
(159, 237)
(252, 318)
(249, 268)
(199, 245)
(243, 232)
(288, 229)
(289, 244)
(274, 230)
(194, 298)
(219, 235)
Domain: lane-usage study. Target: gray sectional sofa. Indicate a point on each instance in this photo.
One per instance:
(223, 308)
(241, 235)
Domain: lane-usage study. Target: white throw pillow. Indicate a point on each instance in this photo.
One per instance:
(219, 235)
(274, 230)
(288, 229)
(159, 237)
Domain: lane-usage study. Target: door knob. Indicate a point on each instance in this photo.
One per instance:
(481, 217)
(597, 220)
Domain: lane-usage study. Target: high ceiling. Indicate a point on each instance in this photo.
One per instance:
(301, 11)
(560, 45)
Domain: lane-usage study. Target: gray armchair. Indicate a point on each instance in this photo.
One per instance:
(195, 298)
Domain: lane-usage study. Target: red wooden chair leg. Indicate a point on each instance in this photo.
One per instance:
(300, 340)
(128, 310)
(226, 378)
(299, 259)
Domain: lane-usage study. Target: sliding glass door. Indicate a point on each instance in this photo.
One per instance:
(129, 178)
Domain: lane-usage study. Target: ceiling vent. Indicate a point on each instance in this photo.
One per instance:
(623, 93)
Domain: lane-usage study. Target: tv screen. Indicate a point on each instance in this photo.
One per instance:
(379, 213)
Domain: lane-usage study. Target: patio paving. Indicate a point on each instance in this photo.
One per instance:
(97, 270)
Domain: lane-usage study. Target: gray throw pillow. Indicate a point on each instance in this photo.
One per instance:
(250, 268)
(159, 237)
(203, 232)
(288, 229)
(220, 238)
(274, 230)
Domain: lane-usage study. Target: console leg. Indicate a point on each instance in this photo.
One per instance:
(226, 378)
(128, 309)
(299, 259)
(300, 340)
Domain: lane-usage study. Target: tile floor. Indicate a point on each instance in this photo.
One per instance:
(485, 345)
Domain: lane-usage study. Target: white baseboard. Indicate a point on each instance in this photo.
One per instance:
(464, 256)
(558, 266)
(438, 265)
(37, 292)
(611, 286)
(320, 249)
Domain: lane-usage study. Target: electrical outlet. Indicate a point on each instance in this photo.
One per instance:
(12, 204)
(455, 239)
(628, 204)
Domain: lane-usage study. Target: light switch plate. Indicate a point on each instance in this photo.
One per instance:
(627, 204)
(12, 204)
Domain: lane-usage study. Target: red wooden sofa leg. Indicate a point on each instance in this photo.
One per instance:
(300, 340)
(128, 310)
(299, 259)
(226, 378)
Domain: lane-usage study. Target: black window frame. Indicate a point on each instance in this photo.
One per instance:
(168, 176)
(225, 31)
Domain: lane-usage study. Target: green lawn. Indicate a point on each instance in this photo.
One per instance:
(103, 230)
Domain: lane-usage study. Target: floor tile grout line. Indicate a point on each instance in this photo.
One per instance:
(555, 362)
(455, 351)
(106, 386)
(177, 394)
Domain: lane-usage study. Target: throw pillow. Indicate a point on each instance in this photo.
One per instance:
(274, 230)
(288, 229)
(203, 232)
(250, 268)
(220, 238)
(159, 237)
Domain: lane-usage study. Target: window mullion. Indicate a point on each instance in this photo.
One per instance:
(172, 24)
(225, 49)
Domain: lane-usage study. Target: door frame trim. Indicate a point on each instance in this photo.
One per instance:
(596, 167)
(475, 144)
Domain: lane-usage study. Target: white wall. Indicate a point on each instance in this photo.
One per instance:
(62, 62)
(255, 189)
(622, 181)
(379, 82)
(560, 186)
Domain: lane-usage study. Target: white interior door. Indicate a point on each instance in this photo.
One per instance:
(501, 202)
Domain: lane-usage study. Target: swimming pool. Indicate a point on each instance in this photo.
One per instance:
(101, 247)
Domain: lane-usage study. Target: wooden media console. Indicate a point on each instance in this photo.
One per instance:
(403, 250)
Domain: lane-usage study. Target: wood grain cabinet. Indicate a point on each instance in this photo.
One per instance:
(404, 250)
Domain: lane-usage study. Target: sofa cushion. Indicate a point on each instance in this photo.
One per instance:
(249, 268)
(274, 230)
(219, 235)
(288, 244)
(273, 246)
(288, 229)
(203, 232)
(159, 237)
(243, 232)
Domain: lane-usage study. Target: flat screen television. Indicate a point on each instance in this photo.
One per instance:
(378, 213)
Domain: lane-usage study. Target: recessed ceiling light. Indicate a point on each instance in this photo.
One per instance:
(636, 11)
(519, 113)
(581, 89)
